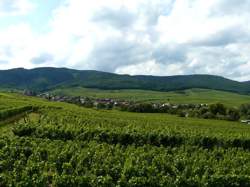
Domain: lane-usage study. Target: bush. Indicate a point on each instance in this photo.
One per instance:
(208, 115)
(143, 108)
(245, 110)
(182, 114)
(217, 108)
(233, 114)
(101, 106)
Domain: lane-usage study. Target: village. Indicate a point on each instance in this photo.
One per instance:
(205, 111)
(183, 110)
(105, 103)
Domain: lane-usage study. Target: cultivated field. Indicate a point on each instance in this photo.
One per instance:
(58, 144)
(182, 96)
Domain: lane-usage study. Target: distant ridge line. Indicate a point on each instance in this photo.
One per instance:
(47, 78)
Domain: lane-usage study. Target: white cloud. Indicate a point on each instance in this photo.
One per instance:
(159, 37)
(15, 7)
(14, 46)
(151, 68)
(190, 20)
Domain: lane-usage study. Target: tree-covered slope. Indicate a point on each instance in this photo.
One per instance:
(50, 78)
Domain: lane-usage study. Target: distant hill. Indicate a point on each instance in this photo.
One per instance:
(42, 79)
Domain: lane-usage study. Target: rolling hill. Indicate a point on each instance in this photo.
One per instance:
(194, 96)
(42, 79)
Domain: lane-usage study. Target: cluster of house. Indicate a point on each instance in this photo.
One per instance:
(179, 106)
(108, 103)
(83, 100)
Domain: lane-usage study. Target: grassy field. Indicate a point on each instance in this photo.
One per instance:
(62, 144)
(186, 96)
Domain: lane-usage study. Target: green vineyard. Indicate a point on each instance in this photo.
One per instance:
(59, 144)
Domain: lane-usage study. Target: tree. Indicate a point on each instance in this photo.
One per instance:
(217, 108)
(182, 114)
(233, 114)
(208, 115)
(100, 105)
(245, 110)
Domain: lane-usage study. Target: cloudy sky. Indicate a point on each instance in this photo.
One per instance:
(154, 37)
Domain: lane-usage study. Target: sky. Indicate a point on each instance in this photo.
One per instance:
(150, 37)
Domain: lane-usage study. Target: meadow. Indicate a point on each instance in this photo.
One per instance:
(59, 144)
(194, 96)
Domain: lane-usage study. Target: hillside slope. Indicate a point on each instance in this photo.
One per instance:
(181, 96)
(42, 79)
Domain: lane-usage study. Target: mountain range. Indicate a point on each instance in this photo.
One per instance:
(48, 78)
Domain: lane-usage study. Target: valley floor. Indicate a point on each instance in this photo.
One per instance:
(194, 96)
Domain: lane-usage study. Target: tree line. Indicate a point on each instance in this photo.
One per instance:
(213, 111)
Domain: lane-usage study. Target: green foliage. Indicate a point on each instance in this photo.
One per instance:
(7, 113)
(50, 78)
(217, 109)
(214, 111)
(191, 96)
(68, 145)
(142, 108)
(233, 114)
(245, 110)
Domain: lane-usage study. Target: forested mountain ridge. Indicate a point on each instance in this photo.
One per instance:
(47, 78)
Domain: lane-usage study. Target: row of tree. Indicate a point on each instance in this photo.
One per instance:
(213, 111)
